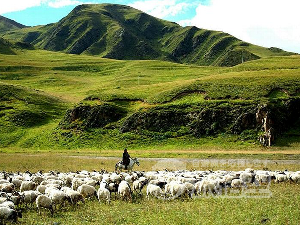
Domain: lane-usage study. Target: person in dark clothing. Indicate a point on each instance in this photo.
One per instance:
(126, 158)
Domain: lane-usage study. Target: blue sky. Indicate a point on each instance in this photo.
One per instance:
(269, 23)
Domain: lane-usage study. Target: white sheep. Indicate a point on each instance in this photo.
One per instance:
(154, 190)
(75, 196)
(295, 177)
(27, 186)
(208, 186)
(43, 201)
(29, 196)
(280, 177)
(138, 185)
(76, 182)
(58, 197)
(178, 189)
(103, 193)
(8, 214)
(8, 204)
(41, 188)
(17, 183)
(7, 187)
(87, 190)
(247, 177)
(190, 188)
(263, 177)
(124, 190)
(2, 181)
(3, 199)
(237, 183)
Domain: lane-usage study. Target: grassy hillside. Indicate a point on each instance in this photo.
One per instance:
(122, 32)
(8, 24)
(60, 101)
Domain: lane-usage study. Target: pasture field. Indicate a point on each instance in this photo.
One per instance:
(281, 208)
(43, 85)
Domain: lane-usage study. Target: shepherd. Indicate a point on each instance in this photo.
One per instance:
(126, 158)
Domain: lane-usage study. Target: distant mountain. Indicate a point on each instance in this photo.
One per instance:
(122, 32)
(8, 24)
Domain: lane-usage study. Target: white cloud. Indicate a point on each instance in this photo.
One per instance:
(161, 9)
(17, 5)
(62, 3)
(263, 22)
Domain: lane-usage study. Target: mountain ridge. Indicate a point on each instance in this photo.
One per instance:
(122, 32)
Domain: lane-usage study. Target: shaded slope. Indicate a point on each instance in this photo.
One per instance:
(6, 47)
(24, 107)
(122, 32)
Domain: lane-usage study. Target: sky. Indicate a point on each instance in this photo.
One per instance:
(268, 23)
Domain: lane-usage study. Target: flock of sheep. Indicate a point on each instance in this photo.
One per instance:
(54, 189)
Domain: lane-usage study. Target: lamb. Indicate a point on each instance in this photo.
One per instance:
(27, 186)
(87, 190)
(154, 190)
(8, 214)
(43, 201)
(124, 190)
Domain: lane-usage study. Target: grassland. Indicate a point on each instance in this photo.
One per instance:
(43, 85)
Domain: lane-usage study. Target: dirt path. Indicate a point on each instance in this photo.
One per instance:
(212, 161)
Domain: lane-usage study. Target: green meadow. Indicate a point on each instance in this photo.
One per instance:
(37, 88)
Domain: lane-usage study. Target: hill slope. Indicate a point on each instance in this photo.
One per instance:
(122, 32)
(117, 103)
(8, 24)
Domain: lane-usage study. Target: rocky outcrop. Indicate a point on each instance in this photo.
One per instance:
(91, 116)
(276, 117)
(248, 119)
(201, 120)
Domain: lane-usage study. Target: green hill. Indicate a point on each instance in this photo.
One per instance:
(117, 77)
(122, 32)
(8, 24)
(53, 100)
